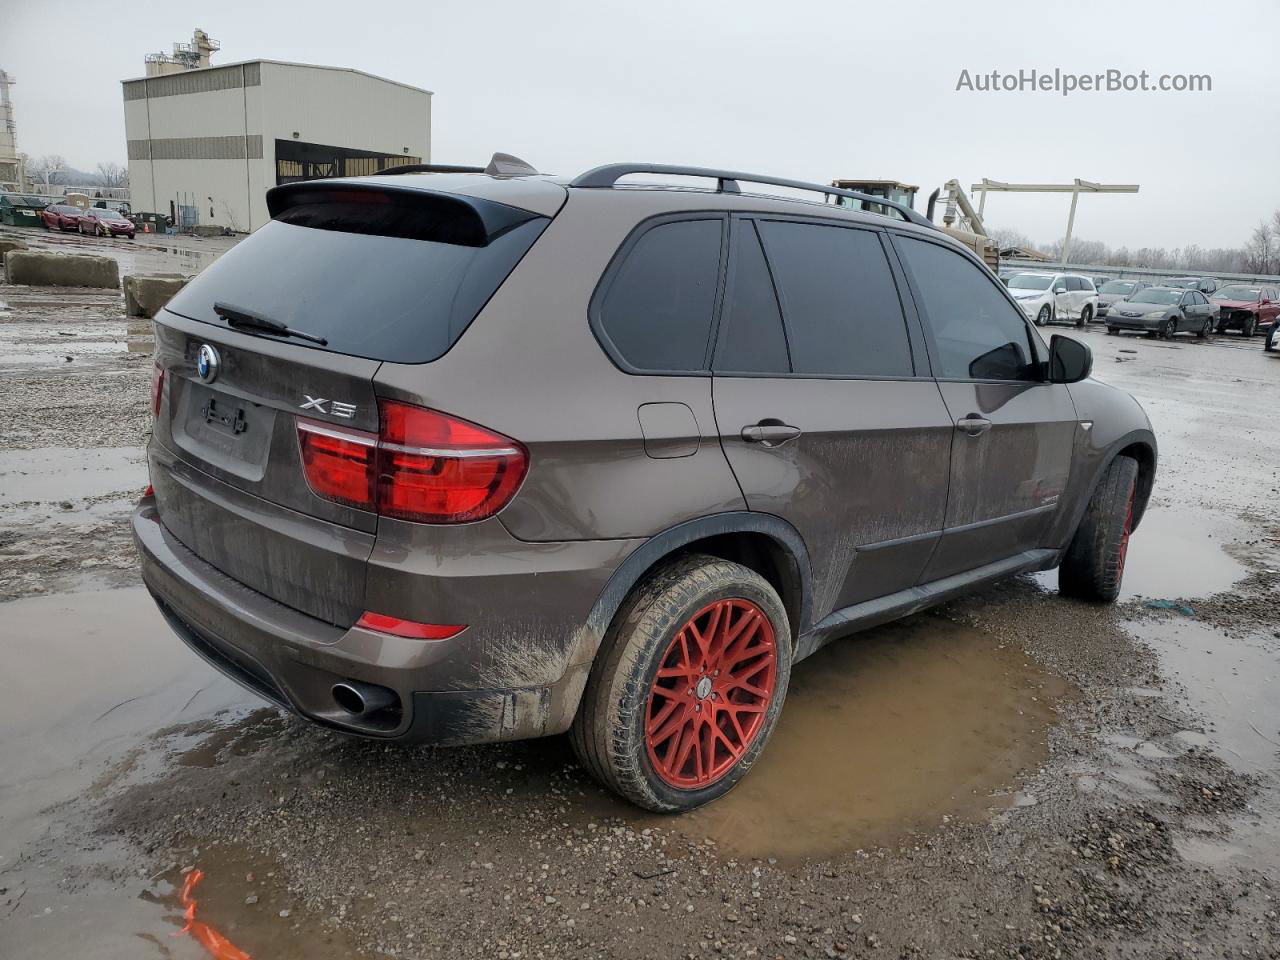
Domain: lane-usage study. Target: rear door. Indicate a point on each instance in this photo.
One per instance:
(1012, 434)
(377, 275)
(820, 407)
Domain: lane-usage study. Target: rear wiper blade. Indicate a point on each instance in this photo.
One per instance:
(239, 318)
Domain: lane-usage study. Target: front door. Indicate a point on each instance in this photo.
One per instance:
(820, 410)
(1013, 432)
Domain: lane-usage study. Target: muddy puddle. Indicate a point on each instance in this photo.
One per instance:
(52, 474)
(883, 734)
(1175, 553)
(1233, 684)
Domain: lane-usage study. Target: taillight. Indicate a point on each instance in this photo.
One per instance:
(422, 465)
(340, 464)
(434, 468)
(157, 388)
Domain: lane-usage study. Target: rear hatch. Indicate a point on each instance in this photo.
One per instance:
(358, 273)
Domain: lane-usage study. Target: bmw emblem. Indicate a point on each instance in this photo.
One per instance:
(207, 362)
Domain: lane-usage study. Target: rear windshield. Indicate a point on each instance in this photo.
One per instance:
(1117, 286)
(381, 276)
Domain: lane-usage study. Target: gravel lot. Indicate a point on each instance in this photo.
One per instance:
(1012, 775)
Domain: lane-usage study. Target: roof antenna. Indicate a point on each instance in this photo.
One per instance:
(505, 165)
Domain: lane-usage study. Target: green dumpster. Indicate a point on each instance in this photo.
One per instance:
(19, 210)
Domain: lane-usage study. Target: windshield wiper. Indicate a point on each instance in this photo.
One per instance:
(238, 318)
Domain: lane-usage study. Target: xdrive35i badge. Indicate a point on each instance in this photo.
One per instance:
(207, 363)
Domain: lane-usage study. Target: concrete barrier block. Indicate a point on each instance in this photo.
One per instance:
(6, 245)
(145, 294)
(61, 270)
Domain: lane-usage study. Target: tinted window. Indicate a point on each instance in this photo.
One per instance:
(657, 309)
(382, 297)
(1075, 283)
(839, 299)
(751, 339)
(978, 334)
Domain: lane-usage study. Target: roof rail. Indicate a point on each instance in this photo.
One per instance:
(428, 168)
(727, 182)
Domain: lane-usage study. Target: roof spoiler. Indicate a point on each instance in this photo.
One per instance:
(500, 165)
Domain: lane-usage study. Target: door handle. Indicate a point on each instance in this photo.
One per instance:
(770, 433)
(974, 425)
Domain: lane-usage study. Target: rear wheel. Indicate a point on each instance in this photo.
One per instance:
(1112, 331)
(1093, 566)
(1204, 329)
(1043, 316)
(687, 686)
(1086, 315)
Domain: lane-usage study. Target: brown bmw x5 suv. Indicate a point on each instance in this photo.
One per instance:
(460, 457)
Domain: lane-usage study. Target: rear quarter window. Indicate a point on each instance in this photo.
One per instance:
(655, 307)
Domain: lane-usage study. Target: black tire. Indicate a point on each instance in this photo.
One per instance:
(1093, 566)
(1044, 316)
(1167, 329)
(1204, 329)
(1248, 326)
(608, 734)
(1085, 316)
(1112, 331)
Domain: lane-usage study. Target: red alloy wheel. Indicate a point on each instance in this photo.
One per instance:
(711, 693)
(1124, 534)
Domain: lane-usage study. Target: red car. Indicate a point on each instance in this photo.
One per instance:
(61, 216)
(106, 223)
(1247, 307)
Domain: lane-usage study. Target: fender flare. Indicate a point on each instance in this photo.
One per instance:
(1141, 436)
(657, 548)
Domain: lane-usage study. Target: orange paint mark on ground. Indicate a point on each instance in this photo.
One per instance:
(218, 946)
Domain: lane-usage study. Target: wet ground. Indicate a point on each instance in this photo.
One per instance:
(1010, 775)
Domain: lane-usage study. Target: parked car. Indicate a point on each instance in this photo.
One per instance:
(1113, 291)
(1247, 307)
(1206, 285)
(1163, 311)
(1055, 297)
(106, 223)
(434, 457)
(61, 216)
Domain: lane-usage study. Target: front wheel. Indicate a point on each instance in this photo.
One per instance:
(1166, 330)
(1043, 316)
(687, 685)
(1247, 328)
(1093, 566)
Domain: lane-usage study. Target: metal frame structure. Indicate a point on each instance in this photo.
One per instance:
(1075, 189)
(727, 182)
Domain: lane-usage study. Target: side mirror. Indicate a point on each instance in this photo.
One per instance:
(1060, 288)
(1070, 361)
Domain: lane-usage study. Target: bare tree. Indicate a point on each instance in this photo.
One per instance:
(46, 169)
(1260, 253)
(1008, 237)
(113, 175)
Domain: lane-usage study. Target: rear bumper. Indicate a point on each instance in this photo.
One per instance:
(293, 659)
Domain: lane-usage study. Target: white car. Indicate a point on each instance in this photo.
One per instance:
(1272, 344)
(1055, 297)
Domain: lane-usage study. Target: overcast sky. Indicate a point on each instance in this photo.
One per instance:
(800, 88)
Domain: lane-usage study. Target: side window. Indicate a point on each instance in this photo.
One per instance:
(751, 339)
(839, 299)
(978, 333)
(1074, 284)
(658, 306)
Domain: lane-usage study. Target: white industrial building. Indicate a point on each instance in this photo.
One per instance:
(206, 144)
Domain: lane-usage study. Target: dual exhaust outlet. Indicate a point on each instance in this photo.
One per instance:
(363, 699)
